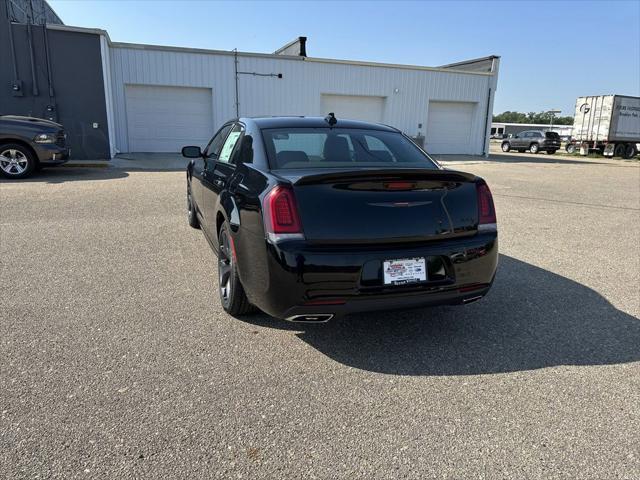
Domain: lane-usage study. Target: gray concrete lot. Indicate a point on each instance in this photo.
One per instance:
(117, 361)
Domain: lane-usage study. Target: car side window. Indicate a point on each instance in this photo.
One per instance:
(538, 135)
(217, 142)
(229, 144)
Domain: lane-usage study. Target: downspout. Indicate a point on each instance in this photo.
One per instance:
(235, 64)
(16, 82)
(486, 125)
(52, 113)
(34, 79)
(493, 87)
(46, 53)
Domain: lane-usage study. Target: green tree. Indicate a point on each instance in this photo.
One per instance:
(531, 117)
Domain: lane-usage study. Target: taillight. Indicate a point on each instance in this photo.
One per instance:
(486, 210)
(281, 219)
(400, 185)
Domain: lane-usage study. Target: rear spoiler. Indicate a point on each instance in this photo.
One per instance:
(384, 173)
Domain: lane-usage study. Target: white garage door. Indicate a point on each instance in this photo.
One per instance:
(354, 107)
(164, 119)
(449, 127)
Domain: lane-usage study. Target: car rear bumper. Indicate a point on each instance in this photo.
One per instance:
(550, 146)
(51, 154)
(304, 279)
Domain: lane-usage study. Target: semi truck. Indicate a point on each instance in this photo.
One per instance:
(607, 124)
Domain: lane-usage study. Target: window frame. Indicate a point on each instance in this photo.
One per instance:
(234, 152)
(205, 155)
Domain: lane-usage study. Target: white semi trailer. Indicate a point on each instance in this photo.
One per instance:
(608, 124)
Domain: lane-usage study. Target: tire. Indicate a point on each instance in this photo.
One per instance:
(630, 151)
(232, 296)
(551, 152)
(506, 147)
(619, 150)
(534, 148)
(571, 148)
(191, 211)
(16, 161)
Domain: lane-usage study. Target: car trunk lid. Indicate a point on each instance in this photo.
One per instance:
(384, 205)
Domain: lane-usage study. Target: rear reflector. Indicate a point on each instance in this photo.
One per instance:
(281, 217)
(486, 210)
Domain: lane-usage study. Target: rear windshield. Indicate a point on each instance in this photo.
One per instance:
(552, 135)
(335, 148)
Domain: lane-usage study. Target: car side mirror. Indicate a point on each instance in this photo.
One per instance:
(191, 152)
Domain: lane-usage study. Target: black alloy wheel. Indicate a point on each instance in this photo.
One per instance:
(232, 296)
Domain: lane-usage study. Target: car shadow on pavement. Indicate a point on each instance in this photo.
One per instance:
(70, 174)
(532, 318)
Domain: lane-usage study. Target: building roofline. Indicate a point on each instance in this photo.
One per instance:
(55, 14)
(395, 65)
(166, 48)
(468, 62)
(509, 124)
(94, 31)
(300, 40)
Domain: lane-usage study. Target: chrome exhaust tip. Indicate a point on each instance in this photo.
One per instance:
(311, 318)
(471, 299)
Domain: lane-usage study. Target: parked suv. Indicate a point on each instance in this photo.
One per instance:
(28, 143)
(534, 141)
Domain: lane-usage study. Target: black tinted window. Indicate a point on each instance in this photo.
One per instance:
(330, 148)
(553, 135)
(216, 143)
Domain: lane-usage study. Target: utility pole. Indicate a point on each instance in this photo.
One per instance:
(552, 113)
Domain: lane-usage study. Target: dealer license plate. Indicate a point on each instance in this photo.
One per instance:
(403, 271)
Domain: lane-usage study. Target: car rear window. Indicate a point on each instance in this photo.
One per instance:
(341, 147)
(552, 135)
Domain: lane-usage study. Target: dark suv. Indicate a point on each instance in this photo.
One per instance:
(28, 143)
(533, 140)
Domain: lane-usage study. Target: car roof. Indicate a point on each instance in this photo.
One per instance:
(313, 122)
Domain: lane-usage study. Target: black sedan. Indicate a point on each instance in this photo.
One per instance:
(313, 218)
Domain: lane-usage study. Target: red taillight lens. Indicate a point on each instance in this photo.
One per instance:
(281, 212)
(400, 185)
(486, 210)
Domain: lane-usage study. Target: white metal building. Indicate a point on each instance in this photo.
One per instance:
(162, 98)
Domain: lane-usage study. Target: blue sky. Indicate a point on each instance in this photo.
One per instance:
(552, 52)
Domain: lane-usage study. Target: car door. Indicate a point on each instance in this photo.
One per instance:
(537, 137)
(216, 177)
(518, 141)
(211, 153)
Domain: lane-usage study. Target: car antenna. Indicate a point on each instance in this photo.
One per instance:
(331, 119)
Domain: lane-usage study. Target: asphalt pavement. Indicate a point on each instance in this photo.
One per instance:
(117, 361)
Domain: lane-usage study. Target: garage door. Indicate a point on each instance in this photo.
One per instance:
(449, 127)
(164, 119)
(354, 107)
